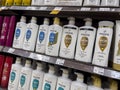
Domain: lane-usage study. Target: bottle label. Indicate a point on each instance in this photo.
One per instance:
(41, 36)
(67, 40)
(22, 80)
(53, 38)
(12, 77)
(47, 86)
(17, 33)
(28, 34)
(84, 43)
(35, 84)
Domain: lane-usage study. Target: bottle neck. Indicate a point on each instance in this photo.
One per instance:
(65, 75)
(46, 22)
(27, 65)
(51, 71)
(71, 22)
(88, 23)
(39, 68)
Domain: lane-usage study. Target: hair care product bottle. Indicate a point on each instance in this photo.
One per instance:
(17, 2)
(113, 85)
(4, 31)
(91, 2)
(78, 84)
(114, 3)
(96, 83)
(31, 35)
(37, 2)
(9, 3)
(54, 38)
(42, 36)
(6, 71)
(3, 2)
(63, 82)
(69, 37)
(25, 76)
(116, 59)
(15, 74)
(2, 60)
(19, 34)
(50, 2)
(50, 80)
(1, 23)
(11, 29)
(103, 43)
(37, 78)
(26, 2)
(85, 42)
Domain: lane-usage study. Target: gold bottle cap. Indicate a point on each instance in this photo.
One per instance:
(56, 20)
(96, 81)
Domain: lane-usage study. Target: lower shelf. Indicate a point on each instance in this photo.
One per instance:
(108, 72)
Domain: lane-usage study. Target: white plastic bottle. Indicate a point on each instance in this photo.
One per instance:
(15, 74)
(54, 38)
(50, 80)
(63, 82)
(42, 36)
(78, 84)
(85, 42)
(25, 76)
(50, 2)
(37, 2)
(103, 43)
(20, 33)
(37, 78)
(69, 37)
(31, 35)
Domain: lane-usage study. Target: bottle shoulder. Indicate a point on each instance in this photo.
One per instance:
(91, 27)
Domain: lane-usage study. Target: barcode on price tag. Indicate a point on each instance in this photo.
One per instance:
(115, 74)
(11, 50)
(45, 58)
(98, 70)
(60, 61)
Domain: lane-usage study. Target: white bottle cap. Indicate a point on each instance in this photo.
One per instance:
(18, 60)
(80, 77)
(23, 19)
(28, 63)
(34, 20)
(88, 21)
(71, 20)
(106, 23)
(51, 69)
(39, 66)
(46, 21)
(65, 73)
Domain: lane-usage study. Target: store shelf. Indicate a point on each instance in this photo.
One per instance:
(64, 62)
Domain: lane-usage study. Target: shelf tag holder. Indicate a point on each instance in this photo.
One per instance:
(56, 10)
(60, 61)
(98, 70)
(11, 50)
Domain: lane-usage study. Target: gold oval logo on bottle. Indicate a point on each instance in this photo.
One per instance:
(103, 41)
(67, 40)
(84, 43)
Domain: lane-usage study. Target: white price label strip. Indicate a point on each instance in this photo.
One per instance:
(60, 61)
(115, 74)
(35, 56)
(104, 9)
(11, 50)
(45, 58)
(31, 8)
(43, 8)
(98, 70)
(85, 9)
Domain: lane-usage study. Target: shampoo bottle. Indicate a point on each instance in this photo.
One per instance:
(6, 71)
(63, 82)
(25, 76)
(37, 78)
(116, 59)
(4, 31)
(113, 85)
(31, 35)
(26, 2)
(85, 42)
(17, 2)
(2, 60)
(9, 3)
(103, 43)
(50, 80)
(78, 84)
(42, 36)
(20, 33)
(11, 29)
(14, 75)
(54, 38)
(1, 22)
(69, 37)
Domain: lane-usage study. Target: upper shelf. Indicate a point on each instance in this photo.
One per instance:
(64, 11)
(108, 72)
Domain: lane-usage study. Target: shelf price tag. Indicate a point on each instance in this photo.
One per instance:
(30, 8)
(104, 9)
(60, 61)
(56, 10)
(11, 50)
(85, 9)
(43, 8)
(35, 56)
(115, 74)
(98, 70)
(46, 58)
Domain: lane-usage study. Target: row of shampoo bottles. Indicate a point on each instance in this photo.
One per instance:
(16, 2)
